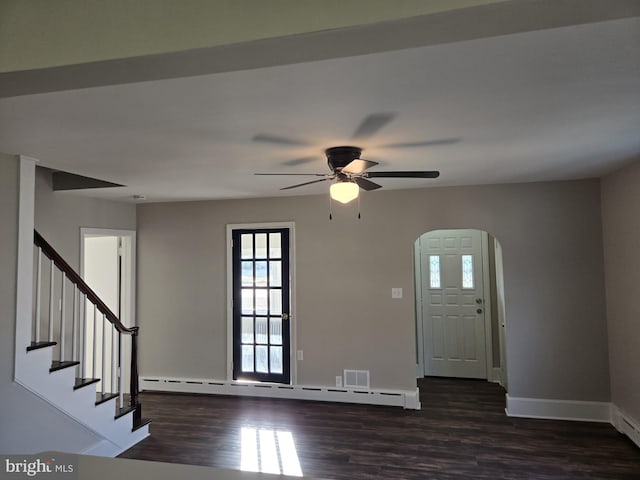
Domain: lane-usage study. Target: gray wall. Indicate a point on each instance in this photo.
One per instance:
(59, 216)
(621, 232)
(27, 423)
(550, 234)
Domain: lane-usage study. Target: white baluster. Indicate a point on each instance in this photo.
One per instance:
(38, 293)
(74, 325)
(51, 301)
(95, 341)
(104, 351)
(62, 311)
(83, 335)
(120, 375)
(113, 359)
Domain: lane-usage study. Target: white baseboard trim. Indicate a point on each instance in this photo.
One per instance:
(625, 424)
(558, 409)
(400, 398)
(103, 448)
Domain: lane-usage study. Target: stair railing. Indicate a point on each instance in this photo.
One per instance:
(109, 326)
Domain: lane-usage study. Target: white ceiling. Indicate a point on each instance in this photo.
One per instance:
(552, 104)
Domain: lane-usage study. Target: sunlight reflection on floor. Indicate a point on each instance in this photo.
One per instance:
(268, 451)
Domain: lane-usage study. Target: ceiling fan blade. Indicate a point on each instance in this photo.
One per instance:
(299, 174)
(299, 161)
(371, 124)
(266, 138)
(306, 183)
(365, 184)
(426, 143)
(358, 166)
(408, 174)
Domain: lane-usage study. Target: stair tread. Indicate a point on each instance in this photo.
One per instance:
(143, 422)
(58, 365)
(121, 412)
(101, 398)
(37, 345)
(83, 382)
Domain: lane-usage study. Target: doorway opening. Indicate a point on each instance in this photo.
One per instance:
(460, 321)
(107, 264)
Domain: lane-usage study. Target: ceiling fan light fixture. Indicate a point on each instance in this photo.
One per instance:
(344, 192)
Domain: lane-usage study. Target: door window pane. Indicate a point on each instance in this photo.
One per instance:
(276, 301)
(262, 307)
(247, 358)
(276, 359)
(261, 274)
(247, 301)
(275, 333)
(246, 245)
(261, 330)
(262, 363)
(247, 329)
(275, 249)
(467, 271)
(261, 245)
(434, 271)
(247, 274)
(275, 273)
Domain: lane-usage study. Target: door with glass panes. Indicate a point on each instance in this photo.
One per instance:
(453, 302)
(261, 329)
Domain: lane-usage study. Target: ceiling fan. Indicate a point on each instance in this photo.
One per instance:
(347, 168)
(349, 171)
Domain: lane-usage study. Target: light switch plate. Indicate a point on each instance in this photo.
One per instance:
(396, 293)
(300, 355)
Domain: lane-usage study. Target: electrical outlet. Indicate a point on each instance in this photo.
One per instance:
(396, 293)
(338, 381)
(300, 355)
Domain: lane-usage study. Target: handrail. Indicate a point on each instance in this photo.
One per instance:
(71, 274)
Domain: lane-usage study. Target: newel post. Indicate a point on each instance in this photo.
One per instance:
(137, 415)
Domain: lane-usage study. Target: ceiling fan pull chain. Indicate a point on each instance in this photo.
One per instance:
(358, 207)
(330, 212)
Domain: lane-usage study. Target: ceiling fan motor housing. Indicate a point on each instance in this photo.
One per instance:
(339, 157)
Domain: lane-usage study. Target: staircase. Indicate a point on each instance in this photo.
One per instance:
(80, 355)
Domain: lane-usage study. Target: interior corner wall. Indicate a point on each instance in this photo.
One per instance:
(621, 231)
(27, 423)
(59, 216)
(551, 239)
(493, 302)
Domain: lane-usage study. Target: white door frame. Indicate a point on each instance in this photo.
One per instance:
(292, 282)
(420, 308)
(129, 265)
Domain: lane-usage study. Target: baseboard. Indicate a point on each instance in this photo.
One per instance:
(103, 448)
(625, 424)
(400, 398)
(558, 409)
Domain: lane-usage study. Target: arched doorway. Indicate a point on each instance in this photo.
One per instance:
(459, 305)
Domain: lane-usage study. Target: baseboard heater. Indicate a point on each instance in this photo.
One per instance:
(399, 398)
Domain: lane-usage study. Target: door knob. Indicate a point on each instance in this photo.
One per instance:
(285, 316)
(479, 310)
(478, 301)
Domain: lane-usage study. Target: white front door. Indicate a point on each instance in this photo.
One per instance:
(453, 304)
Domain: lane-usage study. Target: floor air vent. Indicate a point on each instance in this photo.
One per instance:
(356, 378)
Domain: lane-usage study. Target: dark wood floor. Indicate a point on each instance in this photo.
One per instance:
(461, 432)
